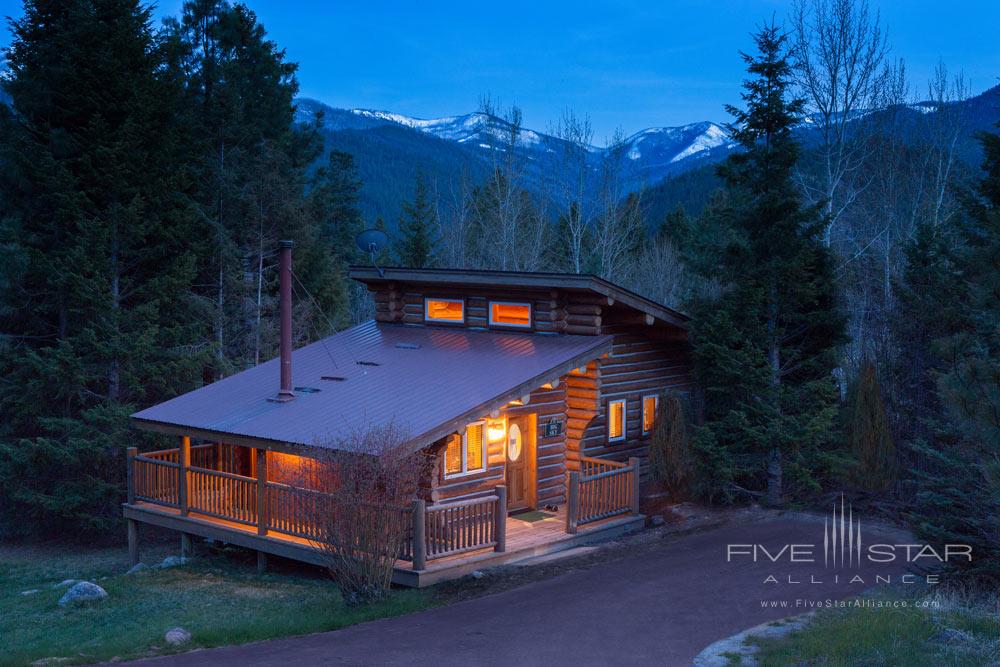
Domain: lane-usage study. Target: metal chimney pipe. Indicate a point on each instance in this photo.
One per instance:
(285, 296)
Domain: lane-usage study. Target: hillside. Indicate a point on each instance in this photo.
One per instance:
(390, 148)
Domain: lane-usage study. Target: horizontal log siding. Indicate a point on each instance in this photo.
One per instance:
(582, 407)
(637, 366)
(552, 310)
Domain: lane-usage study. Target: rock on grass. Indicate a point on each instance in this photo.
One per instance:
(82, 591)
(177, 636)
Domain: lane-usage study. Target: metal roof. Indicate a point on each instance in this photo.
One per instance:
(426, 381)
(583, 282)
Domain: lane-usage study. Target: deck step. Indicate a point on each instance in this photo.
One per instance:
(557, 555)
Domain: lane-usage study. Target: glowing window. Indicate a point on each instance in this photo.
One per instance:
(453, 457)
(649, 405)
(507, 314)
(466, 455)
(444, 310)
(616, 420)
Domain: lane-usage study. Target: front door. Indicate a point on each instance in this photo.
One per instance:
(520, 462)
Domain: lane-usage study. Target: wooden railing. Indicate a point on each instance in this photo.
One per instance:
(432, 532)
(222, 495)
(153, 480)
(453, 528)
(601, 490)
(294, 511)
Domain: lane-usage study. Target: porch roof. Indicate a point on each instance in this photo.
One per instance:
(426, 381)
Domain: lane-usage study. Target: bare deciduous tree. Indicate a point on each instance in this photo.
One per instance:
(839, 52)
(509, 231)
(573, 183)
(618, 230)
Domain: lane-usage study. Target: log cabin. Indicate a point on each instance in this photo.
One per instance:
(534, 393)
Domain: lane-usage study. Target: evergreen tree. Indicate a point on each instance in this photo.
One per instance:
(931, 305)
(764, 348)
(958, 481)
(868, 436)
(252, 182)
(418, 229)
(95, 315)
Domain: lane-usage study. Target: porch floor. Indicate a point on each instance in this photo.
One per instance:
(524, 540)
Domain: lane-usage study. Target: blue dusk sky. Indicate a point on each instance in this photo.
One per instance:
(625, 64)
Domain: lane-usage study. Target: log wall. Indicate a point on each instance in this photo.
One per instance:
(648, 357)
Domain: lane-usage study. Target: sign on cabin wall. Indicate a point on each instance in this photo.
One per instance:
(553, 428)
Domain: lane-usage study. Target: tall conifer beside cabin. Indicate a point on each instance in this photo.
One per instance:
(534, 393)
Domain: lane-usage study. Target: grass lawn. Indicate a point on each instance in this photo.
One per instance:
(219, 599)
(910, 635)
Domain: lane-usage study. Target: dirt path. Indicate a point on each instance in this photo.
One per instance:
(658, 605)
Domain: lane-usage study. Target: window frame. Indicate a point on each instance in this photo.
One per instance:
(466, 471)
(494, 324)
(624, 433)
(427, 318)
(656, 407)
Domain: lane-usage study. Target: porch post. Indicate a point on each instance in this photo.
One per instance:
(633, 463)
(187, 545)
(419, 534)
(130, 455)
(183, 460)
(262, 518)
(501, 527)
(133, 541)
(572, 502)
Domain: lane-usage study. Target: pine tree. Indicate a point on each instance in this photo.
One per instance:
(764, 348)
(96, 314)
(869, 440)
(252, 163)
(958, 479)
(418, 229)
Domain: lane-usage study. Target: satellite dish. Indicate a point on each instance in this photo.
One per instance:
(372, 241)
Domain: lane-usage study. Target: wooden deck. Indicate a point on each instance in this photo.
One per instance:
(523, 540)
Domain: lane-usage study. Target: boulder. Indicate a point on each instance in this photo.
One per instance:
(951, 636)
(174, 561)
(65, 583)
(138, 567)
(177, 636)
(82, 591)
(478, 574)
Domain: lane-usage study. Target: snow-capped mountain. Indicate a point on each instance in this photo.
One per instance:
(389, 149)
(662, 146)
(653, 153)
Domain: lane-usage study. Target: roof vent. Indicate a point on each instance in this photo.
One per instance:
(368, 363)
(408, 346)
(332, 378)
(308, 390)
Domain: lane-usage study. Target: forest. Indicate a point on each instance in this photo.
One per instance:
(844, 291)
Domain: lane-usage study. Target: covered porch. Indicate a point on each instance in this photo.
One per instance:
(223, 492)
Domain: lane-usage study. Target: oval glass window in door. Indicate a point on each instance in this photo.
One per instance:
(514, 442)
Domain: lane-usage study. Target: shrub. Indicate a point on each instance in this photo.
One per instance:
(671, 457)
(869, 440)
(362, 517)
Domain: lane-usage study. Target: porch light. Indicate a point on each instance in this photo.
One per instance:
(496, 432)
